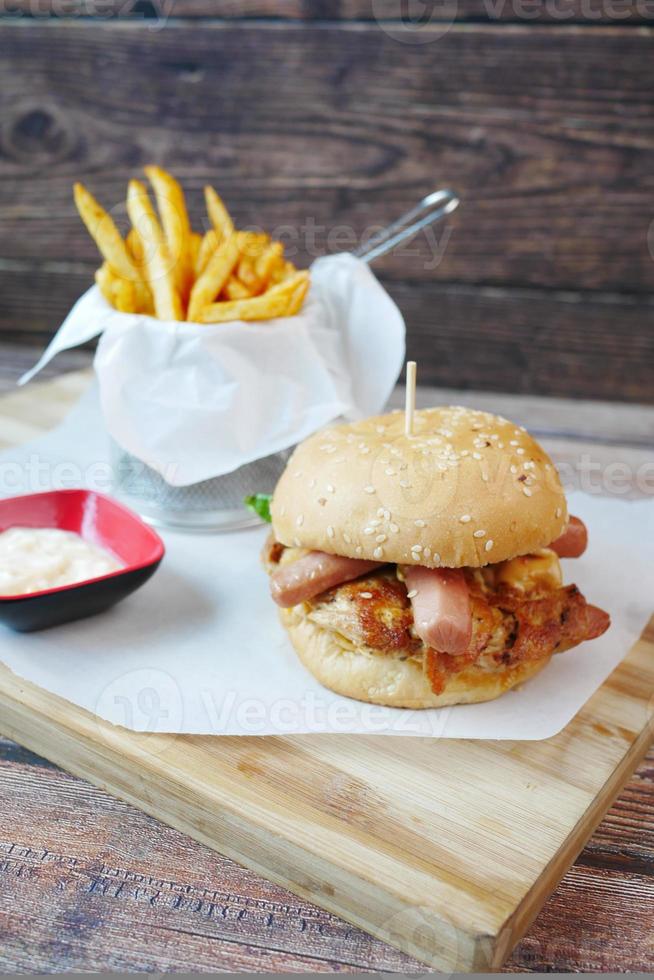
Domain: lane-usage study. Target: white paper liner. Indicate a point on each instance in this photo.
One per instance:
(199, 649)
(197, 401)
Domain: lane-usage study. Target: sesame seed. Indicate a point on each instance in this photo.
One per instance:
(427, 552)
(416, 547)
(394, 529)
(479, 534)
(514, 442)
(489, 544)
(300, 520)
(378, 552)
(330, 488)
(526, 491)
(366, 595)
(369, 530)
(485, 477)
(390, 471)
(412, 594)
(476, 455)
(346, 538)
(558, 512)
(419, 523)
(405, 484)
(513, 468)
(369, 489)
(436, 557)
(358, 549)
(330, 531)
(375, 522)
(520, 451)
(381, 512)
(465, 518)
(380, 538)
(312, 484)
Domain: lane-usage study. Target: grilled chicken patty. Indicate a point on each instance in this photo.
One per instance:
(510, 625)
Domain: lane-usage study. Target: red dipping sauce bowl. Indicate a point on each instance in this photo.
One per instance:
(101, 521)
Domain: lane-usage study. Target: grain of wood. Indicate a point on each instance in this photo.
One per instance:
(387, 13)
(551, 159)
(104, 886)
(543, 205)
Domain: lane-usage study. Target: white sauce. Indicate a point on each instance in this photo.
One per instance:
(35, 559)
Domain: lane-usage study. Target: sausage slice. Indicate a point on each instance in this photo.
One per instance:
(315, 573)
(574, 540)
(441, 607)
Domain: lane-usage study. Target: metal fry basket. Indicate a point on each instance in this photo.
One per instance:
(217, 504)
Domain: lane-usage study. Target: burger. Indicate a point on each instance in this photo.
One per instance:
(421, 570)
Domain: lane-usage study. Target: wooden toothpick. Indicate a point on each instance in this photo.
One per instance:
(410, 405)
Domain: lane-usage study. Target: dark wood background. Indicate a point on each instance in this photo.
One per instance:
(327, 117)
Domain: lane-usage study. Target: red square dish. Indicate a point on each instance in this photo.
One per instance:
(98, 519)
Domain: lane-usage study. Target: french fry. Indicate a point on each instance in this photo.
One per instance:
(157, 263)
(282, 272)
(218, 270)
(163, 268)
(208, 245)
(277, 302)
(235, 289)
(271, 258)
(299, 296)
(123, 295)
(176, 225)
(247, 273)
(105, 281)
(219, 216)
(135, 247)
(195, 242)
(143, 295)
(105, 234)
(252, 245)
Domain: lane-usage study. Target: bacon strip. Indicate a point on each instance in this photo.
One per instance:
(574, 540)
(315, 573)
(441, 607)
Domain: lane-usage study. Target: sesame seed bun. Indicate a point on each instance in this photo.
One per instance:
(387, 679)
(467, 488)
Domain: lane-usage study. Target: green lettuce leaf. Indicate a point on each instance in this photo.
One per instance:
(260, 504)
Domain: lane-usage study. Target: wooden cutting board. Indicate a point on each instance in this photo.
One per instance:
(446, 849)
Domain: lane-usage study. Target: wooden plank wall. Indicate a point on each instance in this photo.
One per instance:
(321, 119)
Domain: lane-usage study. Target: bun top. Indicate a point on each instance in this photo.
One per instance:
(467, 488)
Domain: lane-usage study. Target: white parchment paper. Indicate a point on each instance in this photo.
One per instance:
(196, 401)
(199, 649)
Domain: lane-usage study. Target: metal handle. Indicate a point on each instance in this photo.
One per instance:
(430, 209)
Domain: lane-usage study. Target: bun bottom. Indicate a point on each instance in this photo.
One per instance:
(386, 679)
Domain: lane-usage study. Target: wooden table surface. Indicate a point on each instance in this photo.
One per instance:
(88, 883)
